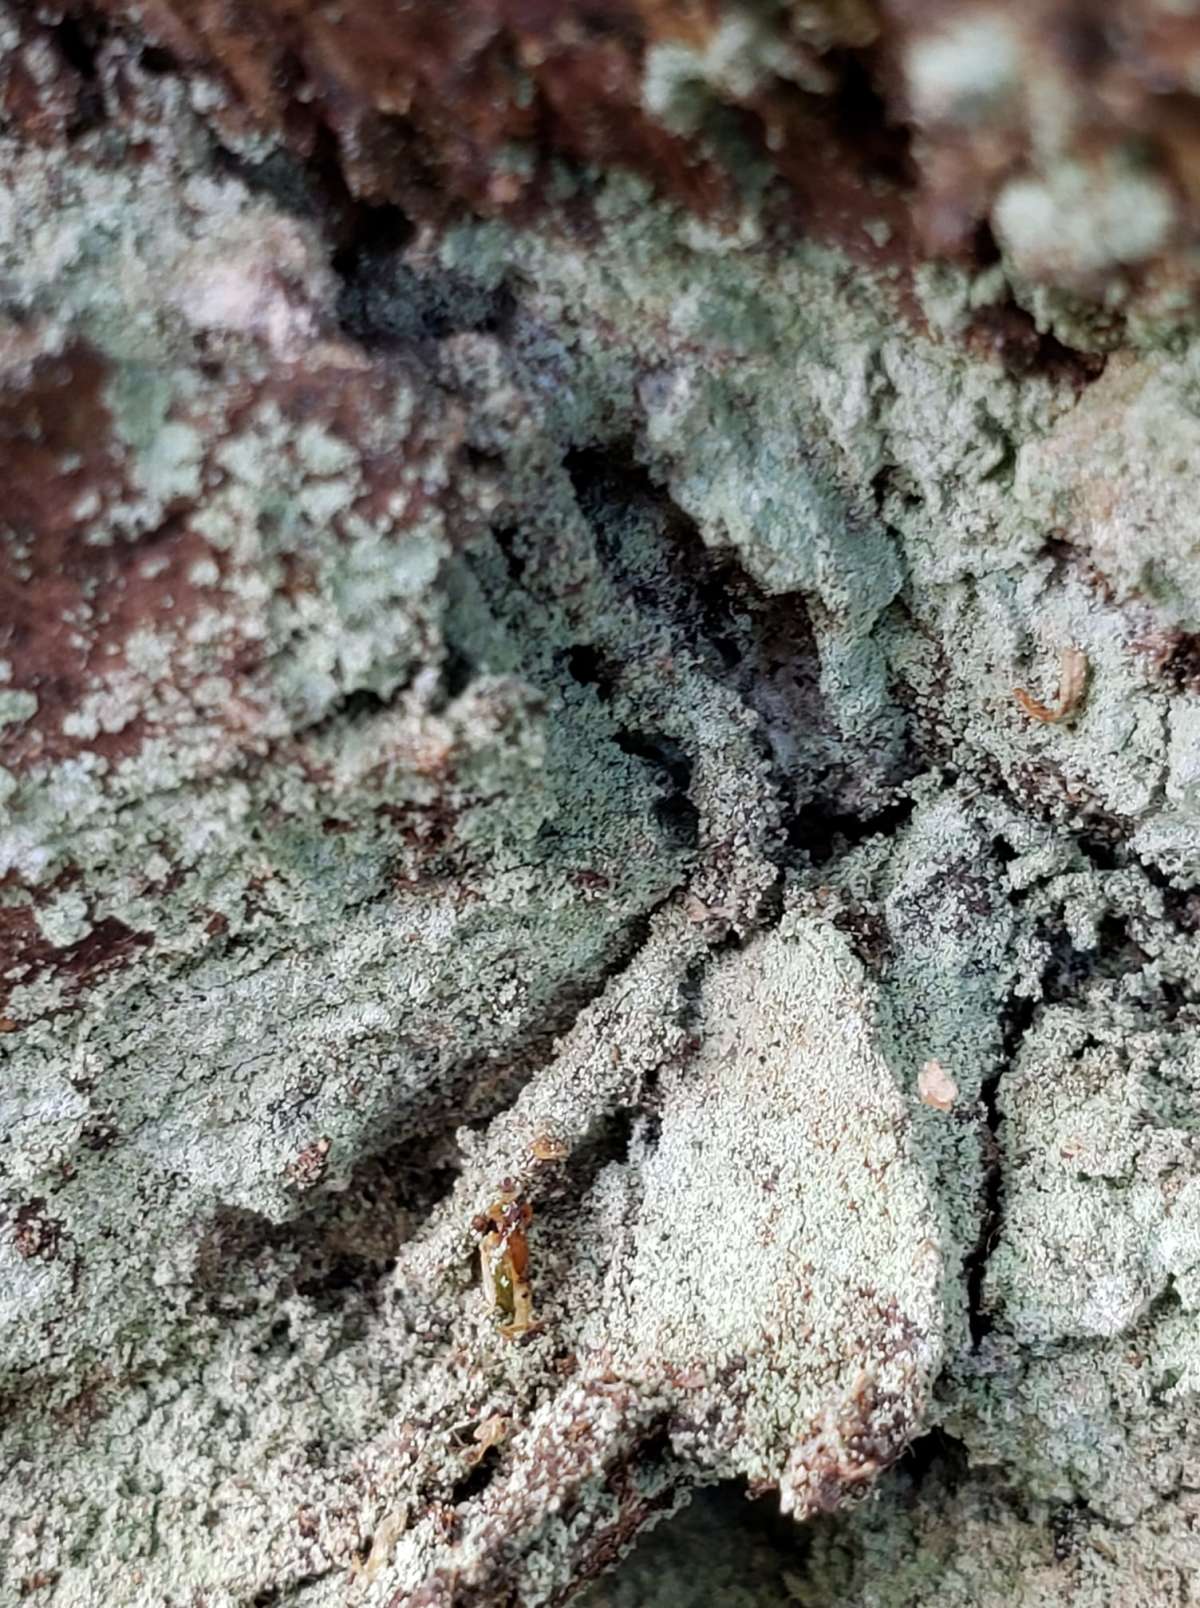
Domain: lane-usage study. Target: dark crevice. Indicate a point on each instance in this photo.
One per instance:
(1166, 1303)
(314, 189)
(701, 592)
(1082, 40)
(985, 250)
(664, 754)
(479, 458)
(506, 538)
(591, 667)
(1016, 1020)
(867, 931)
(156, 61)
(1180, 666)
(457, 672)
(1064, 1524)
(1103, 837)
(650, 1130)
(716, 595)
(761, 646)
(1003, 470)
(675, 812)
(326, 1292)
(1010, 335)
(1181, 906)
(934, 1458)
(888, 482)
(609, 1141)
(824, 835)
(384, 301)
(1115, 952)
(79, 38)
(608, 473)
(1067, 968)
(500, 312)
(344, 1243)
(1003, 850)
(477, 1479)
(357, 704)
(863, 124)
(273, 1596)
(372, 230)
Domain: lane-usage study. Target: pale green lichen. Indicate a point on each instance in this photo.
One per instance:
(739, 563)
(968, 72)
(1078, 221)
(16, 706)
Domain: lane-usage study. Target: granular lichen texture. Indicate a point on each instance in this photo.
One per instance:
(600, 804)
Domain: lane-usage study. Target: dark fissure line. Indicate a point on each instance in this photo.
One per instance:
(824, 835)
(1018, 1018)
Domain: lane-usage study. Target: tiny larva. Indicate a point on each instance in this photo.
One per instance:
(1072, 680)
(504, 1261)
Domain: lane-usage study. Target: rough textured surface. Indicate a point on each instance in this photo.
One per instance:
(624, 739)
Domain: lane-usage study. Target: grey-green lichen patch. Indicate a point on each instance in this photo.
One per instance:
(340, 1415)
(773, 1251)
(1104, 1118)
(772, 442)
(305, 833)
(668, 1274)
(968, 71)
(930, 911)
(1115, 475)
(980, 614)
(950, 1541)
(566, 725)
(683, 81)
(16, 706)
(1077, 222)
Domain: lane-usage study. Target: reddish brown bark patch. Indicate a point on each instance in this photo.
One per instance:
(42, 95)
(35, 1233)
(70, 594)
(25, 955)
(426, 102)
(74, 591)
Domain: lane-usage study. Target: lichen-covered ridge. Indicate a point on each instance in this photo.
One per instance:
(524, 711)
